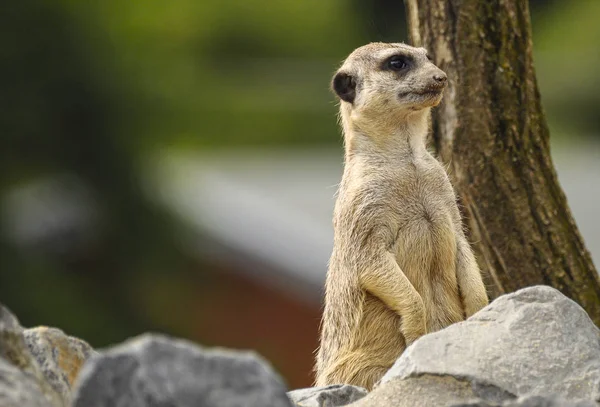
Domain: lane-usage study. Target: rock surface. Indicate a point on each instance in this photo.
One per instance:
(424, 391)
(22, 383)
(328, 396)
(156, 371)
(533, 401)
(19, 389)
(534, 342)
(59, 356)
(531, 348)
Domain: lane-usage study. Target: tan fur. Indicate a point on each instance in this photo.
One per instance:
(401, 265)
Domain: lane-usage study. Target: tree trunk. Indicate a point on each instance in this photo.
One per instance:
(491, 132)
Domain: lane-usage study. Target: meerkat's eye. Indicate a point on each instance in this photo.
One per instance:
(397, 63)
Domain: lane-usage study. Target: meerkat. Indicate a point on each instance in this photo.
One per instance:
(401, 265)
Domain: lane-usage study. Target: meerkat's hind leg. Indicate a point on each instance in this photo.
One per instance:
(370, 376)
(470, 283)
(352, 370)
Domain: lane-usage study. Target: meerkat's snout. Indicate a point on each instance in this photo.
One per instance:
(427, 88)
(433, 88)
(439, 79)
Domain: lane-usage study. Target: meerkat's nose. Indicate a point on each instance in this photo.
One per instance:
(440, 77)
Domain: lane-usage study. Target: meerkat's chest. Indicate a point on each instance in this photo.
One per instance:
(422, 212)
(413, 204)
(423, 194)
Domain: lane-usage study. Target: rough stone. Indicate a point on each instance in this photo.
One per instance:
(328, 396)
(19, 389)
(157, 371)
(22, 383)
(532, 342)
(532, 401)
(13, 349)
(59, 356)
(423, 391)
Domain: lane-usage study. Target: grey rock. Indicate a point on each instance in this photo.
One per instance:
(328, 396)
(19, 389)
(532, 342)
(59, 356)
(156, 371)
(423, 391)
(539, 401)
(8, 322)
(22, 383)
(13, 349)
(532, 401)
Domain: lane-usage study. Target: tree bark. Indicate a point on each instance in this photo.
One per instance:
(491, 132)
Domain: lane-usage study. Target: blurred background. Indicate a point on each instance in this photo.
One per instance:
(171, 166)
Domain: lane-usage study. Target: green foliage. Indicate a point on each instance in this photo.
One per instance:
(223, 72)
(567, 60)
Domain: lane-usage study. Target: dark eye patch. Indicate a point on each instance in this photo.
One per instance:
(429, 57)
(397, 62)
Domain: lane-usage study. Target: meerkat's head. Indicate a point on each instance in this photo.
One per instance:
(380, 81)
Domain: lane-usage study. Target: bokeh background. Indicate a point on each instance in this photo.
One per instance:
(171, 166)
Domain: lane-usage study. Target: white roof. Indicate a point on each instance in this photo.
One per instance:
(274, 207)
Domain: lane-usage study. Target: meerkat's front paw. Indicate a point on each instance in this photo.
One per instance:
(414, 325)
(475, 304)
(415, 333)
(409, 341)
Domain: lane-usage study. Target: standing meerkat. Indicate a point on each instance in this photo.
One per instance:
(401, 265)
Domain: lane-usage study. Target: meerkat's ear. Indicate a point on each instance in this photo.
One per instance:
(344, 85)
